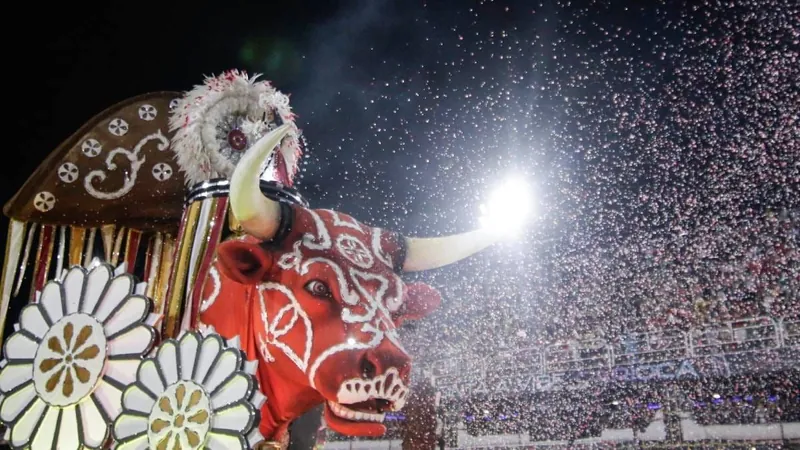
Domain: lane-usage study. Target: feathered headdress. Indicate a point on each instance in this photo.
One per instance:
(216, 122)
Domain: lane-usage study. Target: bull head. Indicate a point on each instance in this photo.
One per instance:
(323, 300)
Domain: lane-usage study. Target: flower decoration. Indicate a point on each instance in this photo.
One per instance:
(195, 392)
(73, 353)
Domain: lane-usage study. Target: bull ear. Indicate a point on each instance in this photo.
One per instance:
(244, 262)
(420, 301)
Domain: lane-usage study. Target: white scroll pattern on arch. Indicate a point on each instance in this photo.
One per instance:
(135, 161)
(370, 308)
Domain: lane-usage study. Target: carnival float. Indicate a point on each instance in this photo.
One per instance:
(180, 293)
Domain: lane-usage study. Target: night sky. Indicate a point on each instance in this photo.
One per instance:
(657, 137)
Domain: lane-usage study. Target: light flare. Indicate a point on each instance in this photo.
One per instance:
(508, 208)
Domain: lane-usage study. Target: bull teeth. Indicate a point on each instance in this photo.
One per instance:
(349, 414)
(388, 386)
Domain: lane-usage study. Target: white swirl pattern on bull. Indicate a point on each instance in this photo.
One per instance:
(296, 316)
(348, 222)
(322, 241)
(373, 306)
(378, 250)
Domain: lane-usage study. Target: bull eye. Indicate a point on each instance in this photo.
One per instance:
(318, 289)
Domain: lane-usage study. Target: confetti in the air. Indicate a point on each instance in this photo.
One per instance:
(662, 138)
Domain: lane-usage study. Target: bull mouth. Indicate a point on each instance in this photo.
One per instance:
(359, 405)
(358, 419)
(371, 411)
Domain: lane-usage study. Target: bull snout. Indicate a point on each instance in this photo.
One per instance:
(378, 361)
(383, 379)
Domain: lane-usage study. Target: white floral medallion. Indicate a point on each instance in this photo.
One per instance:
(73, 352)
(68, 362)
(196, 392)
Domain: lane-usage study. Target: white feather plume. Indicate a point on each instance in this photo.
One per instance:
(197, 115)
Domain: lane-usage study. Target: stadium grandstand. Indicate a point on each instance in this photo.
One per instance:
(735, 382)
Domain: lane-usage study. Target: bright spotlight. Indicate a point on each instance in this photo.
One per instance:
(508, 208)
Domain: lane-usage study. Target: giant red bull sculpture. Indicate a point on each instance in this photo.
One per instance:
(256, 308)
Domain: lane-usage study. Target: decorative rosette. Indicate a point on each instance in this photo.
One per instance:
(73, 353)
(195, 392)
(216, 122)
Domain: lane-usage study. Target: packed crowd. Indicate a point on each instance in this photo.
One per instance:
(692, 282)
(700, 278)
(746, 399)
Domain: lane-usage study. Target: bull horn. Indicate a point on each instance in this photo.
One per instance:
(258, 215)
(432, 253)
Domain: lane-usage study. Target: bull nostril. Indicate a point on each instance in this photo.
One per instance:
(368, 369)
